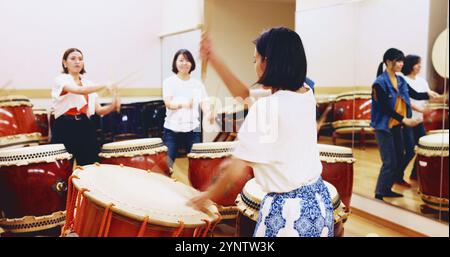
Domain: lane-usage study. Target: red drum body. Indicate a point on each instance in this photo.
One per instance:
(33, 185)
(248, 203)
(118, 201)
(352, 112)
(324, 102)
(436, 118)
(147, 154)
(42, 121)
(337, 163)
(204, 168)
(432, 170)
(18, 127)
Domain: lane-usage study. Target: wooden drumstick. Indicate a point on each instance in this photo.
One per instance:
(4, 87)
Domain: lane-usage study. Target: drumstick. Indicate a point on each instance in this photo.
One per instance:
(4, 87)
(6, 84)
(127, 77)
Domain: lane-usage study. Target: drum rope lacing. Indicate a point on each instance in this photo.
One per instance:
(73, 224)
(133, 148)
(32, 223)
(32, 157)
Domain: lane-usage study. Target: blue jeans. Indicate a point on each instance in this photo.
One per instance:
(418, 131)
(396, 150)
(176, 140)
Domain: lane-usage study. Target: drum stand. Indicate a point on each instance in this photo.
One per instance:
(362, 138)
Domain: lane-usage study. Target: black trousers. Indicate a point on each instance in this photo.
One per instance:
(78, 135)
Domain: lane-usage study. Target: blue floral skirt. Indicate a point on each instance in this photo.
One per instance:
(303, 212)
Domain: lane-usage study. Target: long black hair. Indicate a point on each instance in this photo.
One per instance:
(410, 62)
(392, 54)
(282, 48)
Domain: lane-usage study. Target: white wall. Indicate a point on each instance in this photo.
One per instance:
(117, 37)
(345, 40)
(178, 15)
(329, 37)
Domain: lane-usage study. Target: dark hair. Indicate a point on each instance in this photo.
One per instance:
(66, 55)
(282, 48)
(410, 62)
(392, 54)
(187, 55)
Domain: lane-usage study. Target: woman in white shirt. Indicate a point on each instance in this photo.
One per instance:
(411, 69)
(183, 96)
(74, 101)
(278, 140)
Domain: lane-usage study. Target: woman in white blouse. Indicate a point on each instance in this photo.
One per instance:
(74, 101)
(411, 69)
(278, 140)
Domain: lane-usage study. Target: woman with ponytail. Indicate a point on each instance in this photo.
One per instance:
(391, 118)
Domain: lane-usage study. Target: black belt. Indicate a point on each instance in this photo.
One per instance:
(74, 117)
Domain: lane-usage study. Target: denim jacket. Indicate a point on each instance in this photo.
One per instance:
(379, 119)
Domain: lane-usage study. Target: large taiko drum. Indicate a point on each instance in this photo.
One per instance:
(18, 127)
(147, 154)
(324, 102)
(352, 112)
(337, 163)
(33, 187)
(119, 201)
(252, 195)
(230, 119)
(436, 117)
(432, 170)
(204, 169)
(42, 122)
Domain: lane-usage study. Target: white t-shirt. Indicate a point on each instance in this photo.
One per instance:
(181, 91)
(62, 103)
(279, 139)
(421, 86)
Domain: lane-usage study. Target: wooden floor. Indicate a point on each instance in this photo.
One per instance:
(357, 225)
(366, 170)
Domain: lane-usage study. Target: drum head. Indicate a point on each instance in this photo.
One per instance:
(433, 145)
(33, 154)
(212, 150)
(133, 148)
(354, 95)
(137, 194)
(14, 100)
(332, 153)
